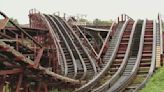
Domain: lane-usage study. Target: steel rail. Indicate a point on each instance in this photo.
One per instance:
(85, 38)
(105, 42)
(125, 59)
(139, 53)
(136, 67)
(83, 48)
(127, 79)
(60, 58)
(161, 35)
(117, 75)
(67, 46)
(86, 87)
(139, 59)
(74, 45)
(152, 66)
(112, 45)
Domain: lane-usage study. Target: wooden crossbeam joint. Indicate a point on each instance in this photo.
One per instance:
(38, 58)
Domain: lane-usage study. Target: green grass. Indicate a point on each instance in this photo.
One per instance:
(156, 83)
(62, 90)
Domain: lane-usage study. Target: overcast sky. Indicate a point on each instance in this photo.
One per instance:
(103, 9)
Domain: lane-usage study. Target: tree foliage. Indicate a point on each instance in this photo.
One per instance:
(101, 22)
(14, 20)
(96, 21)
(85, 20)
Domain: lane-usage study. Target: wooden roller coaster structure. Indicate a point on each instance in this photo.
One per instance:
(53, 54)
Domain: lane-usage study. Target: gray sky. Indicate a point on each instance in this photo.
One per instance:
(103, 9)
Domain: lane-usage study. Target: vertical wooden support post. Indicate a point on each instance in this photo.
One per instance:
(45, 87)
(125, 17)
(55, 64)
(22, 37)
(118, 19)
(122, 17)
(30, 20)
(19, 83)
(38, 57)
(26, 88)
(64, 16)
(17, 48)
(158, 17)
(35, 51)
(38, 88)
(2, 84)
(161, 58)
(1, 87)
(4, 31)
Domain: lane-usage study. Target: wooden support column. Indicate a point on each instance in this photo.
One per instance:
(122, 16)
(38, 57)
(2, 85)
(118, 19)
(19, 83)
(39, 87)
(17, 47)
(45, 87)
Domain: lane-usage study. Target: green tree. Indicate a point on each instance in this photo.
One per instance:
(14, 20)
(85, 20)
(101, 22)
(96, 21)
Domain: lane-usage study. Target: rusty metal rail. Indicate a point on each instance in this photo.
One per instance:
(146, 64)
(88, 86)
(70, 59)
(33, 62)
(87, 60)
(86, 40)
(118, 73)
(59, 51)
(105, 43)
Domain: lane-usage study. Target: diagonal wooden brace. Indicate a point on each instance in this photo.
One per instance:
(38, 57)
(3, 23)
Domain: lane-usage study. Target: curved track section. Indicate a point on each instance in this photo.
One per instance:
(104, 70)
(84, 39)
(113, 43)
(129, 61)
(128, 34)
(85, 66)
(61, 56)
(106, 42)
(147, 62)
(88, 62)
(69, 54)
(125, 62)
(121, 52)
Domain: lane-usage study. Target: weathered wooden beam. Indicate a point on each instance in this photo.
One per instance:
(13, 71)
